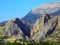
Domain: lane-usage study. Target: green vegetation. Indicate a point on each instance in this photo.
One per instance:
(1, 32)
(2, 29)
(33, 43)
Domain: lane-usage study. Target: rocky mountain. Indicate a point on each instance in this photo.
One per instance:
(44, 27)
(40, 23)
(52, 8)
(16, 27)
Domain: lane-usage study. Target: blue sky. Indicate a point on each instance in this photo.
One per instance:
(18, 8)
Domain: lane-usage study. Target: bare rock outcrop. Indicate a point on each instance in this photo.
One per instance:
(16, 27)
(44, 27)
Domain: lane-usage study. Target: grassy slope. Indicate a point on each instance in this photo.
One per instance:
(1, 32)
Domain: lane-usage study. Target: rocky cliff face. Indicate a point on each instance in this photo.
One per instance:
(38, 24)
(58, 21)
(44, 27)
(50, 8)
(57, 30)
(16, 27)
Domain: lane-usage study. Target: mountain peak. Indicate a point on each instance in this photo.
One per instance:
(48, 5)
(51, 8)
(47, 8)
(14, 19)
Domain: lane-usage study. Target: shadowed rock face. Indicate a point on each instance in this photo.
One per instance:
(51, 8)
(46, 25)
(57, 30)
(17, 27)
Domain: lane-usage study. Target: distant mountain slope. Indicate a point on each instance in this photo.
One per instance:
(50, 8)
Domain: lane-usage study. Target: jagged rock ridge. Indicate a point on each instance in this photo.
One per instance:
(16, 27)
